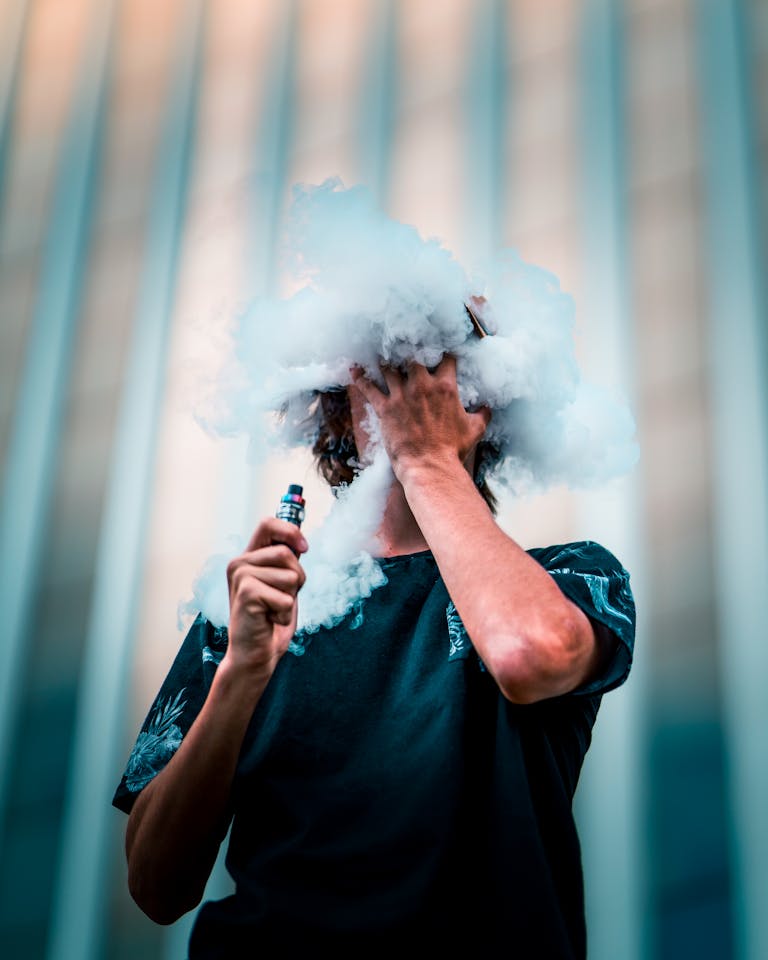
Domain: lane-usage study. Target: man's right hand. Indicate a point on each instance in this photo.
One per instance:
(181, 816)
(263, 585)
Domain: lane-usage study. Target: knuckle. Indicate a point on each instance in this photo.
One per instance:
(286, 601)
(284, 553)
(237, 579)
(244, 591)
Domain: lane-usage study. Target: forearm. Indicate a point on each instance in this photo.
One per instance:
(534, 641)
(179, 819)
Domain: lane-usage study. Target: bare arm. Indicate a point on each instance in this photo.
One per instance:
(535, 642)
(179, 820)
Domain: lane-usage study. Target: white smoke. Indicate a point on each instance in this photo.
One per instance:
(371, 289)
(340, 566)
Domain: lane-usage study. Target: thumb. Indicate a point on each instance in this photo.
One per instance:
(481, 418)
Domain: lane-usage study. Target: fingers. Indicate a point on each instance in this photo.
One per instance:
(358, 374)
(275, 555)
(276, 565)
(286, 579)
(446, 369)
(396, 377)
(267, 578)
(416, 372)
(478, 424)
(289, 581)
(266, 581)
(371, 391)
(271, 530)
(485, 414)
(253, 597)
(479, 420)
(393, 379)
(367, 388)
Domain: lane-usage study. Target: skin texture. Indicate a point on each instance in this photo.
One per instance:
(180, 818)
(535, 642)
(532, 639)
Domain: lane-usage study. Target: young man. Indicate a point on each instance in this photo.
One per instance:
(407, 780)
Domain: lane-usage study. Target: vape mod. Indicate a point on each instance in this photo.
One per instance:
(291, 506)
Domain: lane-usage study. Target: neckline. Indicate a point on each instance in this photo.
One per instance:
(403, 556)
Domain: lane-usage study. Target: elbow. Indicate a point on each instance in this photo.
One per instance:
(160, 906)
(522, 685)
(163, 898)
(540, 665)
(167, 871)
(163, 881)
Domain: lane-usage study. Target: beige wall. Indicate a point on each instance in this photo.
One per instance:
(201, 488)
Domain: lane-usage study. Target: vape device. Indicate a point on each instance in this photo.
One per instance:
(480, 329)
(291, 506)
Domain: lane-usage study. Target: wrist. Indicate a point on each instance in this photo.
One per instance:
(241, 678)
(421, 470)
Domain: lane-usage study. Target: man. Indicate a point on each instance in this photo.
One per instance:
(408, 780)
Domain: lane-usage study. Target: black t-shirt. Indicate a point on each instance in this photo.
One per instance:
(386, 793)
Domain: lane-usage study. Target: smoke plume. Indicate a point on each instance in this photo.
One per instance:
(372, 289)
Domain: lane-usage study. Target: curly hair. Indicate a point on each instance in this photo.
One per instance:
(335, 451)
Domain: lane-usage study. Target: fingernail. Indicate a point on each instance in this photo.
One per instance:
(303, 545)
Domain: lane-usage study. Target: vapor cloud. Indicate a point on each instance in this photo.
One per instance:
(371, 289)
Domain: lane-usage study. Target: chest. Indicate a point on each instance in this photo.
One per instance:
(377, 704)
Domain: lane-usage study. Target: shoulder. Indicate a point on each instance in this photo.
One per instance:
(174, 709)
(598, 583)
(579, 556)
(592, 571)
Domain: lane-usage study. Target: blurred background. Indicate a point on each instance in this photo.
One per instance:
(147, 152)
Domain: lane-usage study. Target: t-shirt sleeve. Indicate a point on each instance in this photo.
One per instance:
(174, 709)
(595, 580)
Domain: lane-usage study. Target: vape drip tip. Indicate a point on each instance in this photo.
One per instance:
(291, 506)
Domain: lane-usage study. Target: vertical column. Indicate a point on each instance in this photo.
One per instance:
(609, 800)
(739, 370)
(485, 130)
(271, 160)
(271, 153)
(377, 113)
(11, 43)
(33, 444)
(80, 904)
